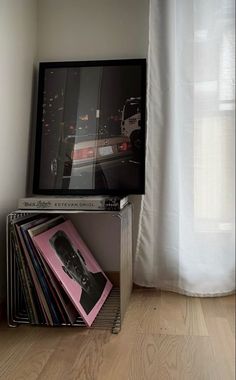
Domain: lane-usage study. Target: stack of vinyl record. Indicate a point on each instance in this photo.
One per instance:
(60, 278)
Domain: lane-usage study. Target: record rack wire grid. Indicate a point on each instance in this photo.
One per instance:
(112, 312)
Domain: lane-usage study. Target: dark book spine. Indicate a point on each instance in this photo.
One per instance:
(25, 281)
(42, 280)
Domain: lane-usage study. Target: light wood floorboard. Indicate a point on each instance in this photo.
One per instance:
(164, 336)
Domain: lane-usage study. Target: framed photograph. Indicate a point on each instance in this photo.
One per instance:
(90, 137)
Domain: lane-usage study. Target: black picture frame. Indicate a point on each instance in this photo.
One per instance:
(55, 176)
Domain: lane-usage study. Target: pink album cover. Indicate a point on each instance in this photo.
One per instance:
(76, 269)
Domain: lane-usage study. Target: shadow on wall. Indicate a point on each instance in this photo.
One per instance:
(3, 266)
(136, 203)
(32, 133)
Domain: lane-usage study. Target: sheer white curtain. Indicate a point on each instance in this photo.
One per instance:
(186, 230)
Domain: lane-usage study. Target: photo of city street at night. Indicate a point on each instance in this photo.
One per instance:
(91, 129)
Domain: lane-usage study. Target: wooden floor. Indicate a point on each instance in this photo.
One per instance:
(164, 336)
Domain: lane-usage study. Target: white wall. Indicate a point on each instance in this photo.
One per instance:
(94, 29)
(18, 19)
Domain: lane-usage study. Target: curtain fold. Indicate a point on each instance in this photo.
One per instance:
(187, 220)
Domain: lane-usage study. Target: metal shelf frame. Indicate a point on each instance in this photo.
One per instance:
(113, 311)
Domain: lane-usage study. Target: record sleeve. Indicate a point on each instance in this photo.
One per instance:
(75, 267)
